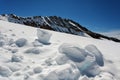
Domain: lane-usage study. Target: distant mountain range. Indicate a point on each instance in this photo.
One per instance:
(56, 24)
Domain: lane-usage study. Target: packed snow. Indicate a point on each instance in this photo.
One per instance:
(28, 53)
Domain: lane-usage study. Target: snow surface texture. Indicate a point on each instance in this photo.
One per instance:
(28, 53)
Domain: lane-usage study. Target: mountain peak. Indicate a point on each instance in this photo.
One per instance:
(55, 23)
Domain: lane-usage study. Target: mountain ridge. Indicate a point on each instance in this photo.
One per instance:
(56, 24)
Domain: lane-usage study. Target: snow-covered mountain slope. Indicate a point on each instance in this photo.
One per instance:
(56, 24)
(115, 34)
(28, 53)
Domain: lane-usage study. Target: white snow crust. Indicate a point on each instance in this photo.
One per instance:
(28, 53)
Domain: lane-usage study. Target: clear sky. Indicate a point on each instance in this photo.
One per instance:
(96, 15)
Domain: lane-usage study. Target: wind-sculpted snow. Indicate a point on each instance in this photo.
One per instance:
(43, 36)
(36, 54)
(73, 52)
(98, 55)
(85, 63)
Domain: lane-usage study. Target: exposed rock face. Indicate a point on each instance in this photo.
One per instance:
(56, 24)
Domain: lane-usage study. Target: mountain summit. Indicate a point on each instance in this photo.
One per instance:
(56, 24)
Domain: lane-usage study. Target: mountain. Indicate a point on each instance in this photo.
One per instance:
(29, 53)
(56, 24)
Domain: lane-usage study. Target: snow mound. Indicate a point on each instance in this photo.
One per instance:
(63, 72)
(98, 55)
(21, 42)
(75, 53)
(43, 36)
(33, 50)
(87, 64)
(5, 71)
(67, 72)
(17, 58)
(89, 67)
(14, 50)
(2, 42)
(61, 59)
(13, 66)
(37, 69)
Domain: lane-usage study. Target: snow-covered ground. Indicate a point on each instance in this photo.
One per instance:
(28, 53)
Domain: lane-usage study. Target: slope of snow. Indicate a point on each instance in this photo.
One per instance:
(26, 53)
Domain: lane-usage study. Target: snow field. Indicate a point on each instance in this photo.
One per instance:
(39, 57)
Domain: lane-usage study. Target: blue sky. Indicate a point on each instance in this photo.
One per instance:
(96, 15)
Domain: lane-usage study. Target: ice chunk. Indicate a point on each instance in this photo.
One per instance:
(98, 55)
(14, 50)
(33, 50)
(2, 42)
(43, 36)
(17, 58)
(88, 67)
(21, 42)
(61, 59)
(92, 71)
(5, 71)
(37, 69)
(75, 53)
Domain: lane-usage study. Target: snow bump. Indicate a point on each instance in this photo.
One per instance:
(75, 53)
(98, 55)
(21, 42)
(43, 36)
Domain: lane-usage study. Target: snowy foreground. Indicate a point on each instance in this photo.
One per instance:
(28, 53)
